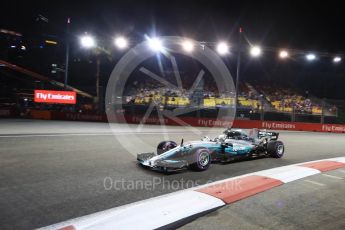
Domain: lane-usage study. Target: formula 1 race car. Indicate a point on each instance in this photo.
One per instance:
(198, 155)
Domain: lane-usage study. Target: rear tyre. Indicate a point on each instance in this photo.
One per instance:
(165, 146)
(201, 159)
(275, 149)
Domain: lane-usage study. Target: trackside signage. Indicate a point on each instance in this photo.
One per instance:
(55, 97)
(204, 122)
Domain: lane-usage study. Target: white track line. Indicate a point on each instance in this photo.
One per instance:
(314, 182)
(331, 176)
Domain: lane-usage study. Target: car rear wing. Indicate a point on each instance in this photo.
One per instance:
(270, 135)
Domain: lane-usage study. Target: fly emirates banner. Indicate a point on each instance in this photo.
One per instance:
(59, 97)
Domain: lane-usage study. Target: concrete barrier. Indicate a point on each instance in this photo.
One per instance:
(193, 121)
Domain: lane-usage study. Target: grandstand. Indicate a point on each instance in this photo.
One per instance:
(168, 97)
(285, 99)
(253, 98)
(249, 98)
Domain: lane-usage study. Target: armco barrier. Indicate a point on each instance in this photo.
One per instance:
(246, 124)
(5, 113)
(79, 116)
(41, 114)
(201, 122)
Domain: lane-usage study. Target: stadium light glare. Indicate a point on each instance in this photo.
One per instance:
(87, 41)
(337, 59)
(188, 46)
(311, 57)
(155, 44)
(222, 48)
(283, 54)
(121, 42)
(255, 51)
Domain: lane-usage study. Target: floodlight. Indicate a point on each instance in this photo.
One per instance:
(222, 48)
(255, 51)
(188, 46)
(310, 57)
(87, 41)
(155, 44)
(283, 54)
(121, 42)
(337, 59)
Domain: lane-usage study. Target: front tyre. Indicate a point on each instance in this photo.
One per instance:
(165, 146)
(201, 159)
(275, 149)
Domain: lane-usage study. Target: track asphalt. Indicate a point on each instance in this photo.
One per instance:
(52, 171)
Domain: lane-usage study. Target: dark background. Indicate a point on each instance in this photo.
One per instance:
(308, 26)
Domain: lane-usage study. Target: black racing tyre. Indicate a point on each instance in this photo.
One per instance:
(165, 146)
(275, 149)
(201, 158)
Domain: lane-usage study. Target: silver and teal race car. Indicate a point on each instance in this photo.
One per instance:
(233, 144)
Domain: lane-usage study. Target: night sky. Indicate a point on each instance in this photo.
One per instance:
(307, 25)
